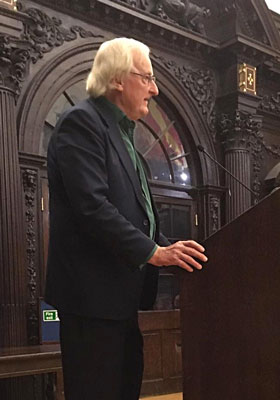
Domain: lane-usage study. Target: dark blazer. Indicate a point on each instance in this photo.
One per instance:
(98, 223)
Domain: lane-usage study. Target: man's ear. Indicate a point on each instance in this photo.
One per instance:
(117, 84)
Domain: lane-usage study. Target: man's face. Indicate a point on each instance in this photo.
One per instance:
(137, 89)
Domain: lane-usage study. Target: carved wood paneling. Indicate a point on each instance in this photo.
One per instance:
(243, 131)
(210, 210)
(162, 352)
(30, 186)
(200, 86)
(41, 35)
(271, 103)
(14, 63)
(215, 213)
(162, 24)
(45, 32)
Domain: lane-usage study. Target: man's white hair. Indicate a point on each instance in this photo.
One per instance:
(113, 59)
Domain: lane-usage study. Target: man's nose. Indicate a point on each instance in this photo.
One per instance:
(153, 89)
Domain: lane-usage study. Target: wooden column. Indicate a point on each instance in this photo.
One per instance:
(237, 161)
(12, 254)
(239, 133)
(13, 316)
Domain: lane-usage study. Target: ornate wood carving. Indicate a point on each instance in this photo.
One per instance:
(200, 85)
(258, 148)
(256, 145)
(215, 214)
(186, 14)
(136, 17)
(244, 130)
(45, 32)
(41, 35)
(209, 209)
(271, 103)
(235, 132)
(30, 187)
(14, 59)
(234, 129)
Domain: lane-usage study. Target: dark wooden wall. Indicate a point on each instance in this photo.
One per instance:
(46, 46)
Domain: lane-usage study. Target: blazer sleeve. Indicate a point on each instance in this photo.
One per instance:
(80, 151)
(163, 241)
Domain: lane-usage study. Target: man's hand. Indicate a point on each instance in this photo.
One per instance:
(181, 253)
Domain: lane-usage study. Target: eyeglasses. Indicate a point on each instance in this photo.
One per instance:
(146, 77)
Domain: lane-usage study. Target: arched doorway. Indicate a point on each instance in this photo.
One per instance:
(166, 140)
(165, 157)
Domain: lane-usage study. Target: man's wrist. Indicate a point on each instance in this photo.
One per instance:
(155, 259)
(152, 253)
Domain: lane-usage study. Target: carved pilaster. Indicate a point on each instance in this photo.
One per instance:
(12, 254)
(258, 149)
(30, 188)
(215, 214)
(210, 219)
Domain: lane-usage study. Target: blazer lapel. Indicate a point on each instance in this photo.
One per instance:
(119, 145)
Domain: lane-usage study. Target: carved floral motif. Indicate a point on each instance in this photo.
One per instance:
(200, 85)
(30, 185)
(214, 213)
(46, 32)
(41, 35)
(13, 63)
(271, 103)
(235, 129)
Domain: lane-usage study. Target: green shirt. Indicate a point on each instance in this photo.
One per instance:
(127, 128)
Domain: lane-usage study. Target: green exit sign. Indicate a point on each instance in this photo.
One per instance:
(50, 315)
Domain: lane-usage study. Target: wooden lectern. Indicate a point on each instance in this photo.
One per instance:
(230, 311)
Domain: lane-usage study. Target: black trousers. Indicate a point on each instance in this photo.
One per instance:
(101, 359)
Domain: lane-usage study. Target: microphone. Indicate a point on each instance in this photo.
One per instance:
(202, 149)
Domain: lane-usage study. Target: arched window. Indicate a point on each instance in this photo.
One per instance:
(156, 139)
(165, 159)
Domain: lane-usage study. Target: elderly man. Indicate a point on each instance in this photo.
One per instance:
(104, 229)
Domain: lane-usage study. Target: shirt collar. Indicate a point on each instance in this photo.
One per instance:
(119, 115)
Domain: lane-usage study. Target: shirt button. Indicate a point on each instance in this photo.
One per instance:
(145, 222)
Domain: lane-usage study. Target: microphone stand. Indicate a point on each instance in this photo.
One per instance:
(201, 149)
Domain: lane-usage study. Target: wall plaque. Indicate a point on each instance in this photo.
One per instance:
(247, 78)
